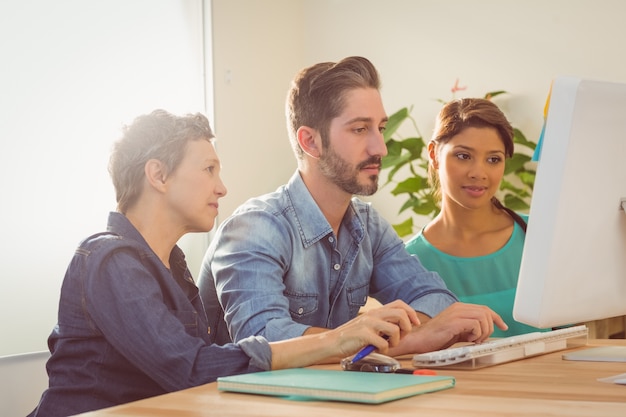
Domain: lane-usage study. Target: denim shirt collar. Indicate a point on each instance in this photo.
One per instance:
(121, 226)
(312, 223)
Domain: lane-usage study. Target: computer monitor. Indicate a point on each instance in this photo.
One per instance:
(573, 266)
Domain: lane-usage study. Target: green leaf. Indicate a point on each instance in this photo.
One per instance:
(492, 94)
(515, 203)
(519, 138)
(394, 122)
(415, 146)
(527, 178)
(392, 160)
(410, 203)
(426, 207)
(405, 228)
(394, 148)
(410, 185)
(393, 171)
(506, 185)
(515, 163)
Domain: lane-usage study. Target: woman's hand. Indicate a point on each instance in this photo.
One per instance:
(382, 327)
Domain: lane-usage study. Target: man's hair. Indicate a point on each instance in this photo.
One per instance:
(317, 94)
(158, 135)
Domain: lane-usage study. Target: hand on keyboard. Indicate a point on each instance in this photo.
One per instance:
(461, 322)
(502, 350)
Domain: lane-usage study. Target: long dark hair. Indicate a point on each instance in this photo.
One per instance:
(518, 219)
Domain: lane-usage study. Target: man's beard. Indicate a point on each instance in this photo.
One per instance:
(345, 176)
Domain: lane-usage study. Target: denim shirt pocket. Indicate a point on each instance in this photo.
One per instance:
(357, 297)
(189, 319)
(301, 305)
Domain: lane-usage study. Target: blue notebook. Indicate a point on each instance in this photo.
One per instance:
(321, 384)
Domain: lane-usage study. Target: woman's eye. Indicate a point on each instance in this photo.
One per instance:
(494, 160)
(462, 156)
(211, 168)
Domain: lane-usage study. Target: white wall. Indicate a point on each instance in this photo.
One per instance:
(72, 72)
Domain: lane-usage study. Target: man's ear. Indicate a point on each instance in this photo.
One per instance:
(155, 174)
(310, 141)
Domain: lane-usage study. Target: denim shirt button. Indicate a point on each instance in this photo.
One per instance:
(331, 239)
(336, 267)
(300, 310)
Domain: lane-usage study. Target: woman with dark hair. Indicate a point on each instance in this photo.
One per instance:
(474, 243)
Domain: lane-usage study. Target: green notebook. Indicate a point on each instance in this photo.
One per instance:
(362, 387)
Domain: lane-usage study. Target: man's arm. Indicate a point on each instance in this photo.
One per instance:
(400, 275)
(247, 261)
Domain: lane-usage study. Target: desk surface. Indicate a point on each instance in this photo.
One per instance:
(542, 385)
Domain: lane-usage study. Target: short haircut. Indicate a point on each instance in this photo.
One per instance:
(158, 135)
(317, 94)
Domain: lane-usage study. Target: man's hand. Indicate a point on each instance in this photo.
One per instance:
(460, 322)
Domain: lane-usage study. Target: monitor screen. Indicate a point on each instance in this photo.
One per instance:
(574, 260)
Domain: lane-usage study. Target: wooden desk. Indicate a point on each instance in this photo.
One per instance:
(539, 386)
(611, 328)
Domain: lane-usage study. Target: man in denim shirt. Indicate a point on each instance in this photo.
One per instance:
(305, 258)
(131, 324)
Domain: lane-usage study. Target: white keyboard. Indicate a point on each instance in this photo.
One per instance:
(507, 349)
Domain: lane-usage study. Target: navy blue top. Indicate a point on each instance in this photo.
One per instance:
(129, 328)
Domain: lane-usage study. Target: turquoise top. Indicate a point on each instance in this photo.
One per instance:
(489, 280)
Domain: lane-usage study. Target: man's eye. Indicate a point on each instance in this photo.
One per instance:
(382, 129)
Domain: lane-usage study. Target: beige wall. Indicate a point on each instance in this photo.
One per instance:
(419, 46)
(257, 47)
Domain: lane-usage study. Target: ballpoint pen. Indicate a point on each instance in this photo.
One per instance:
(365, 351)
